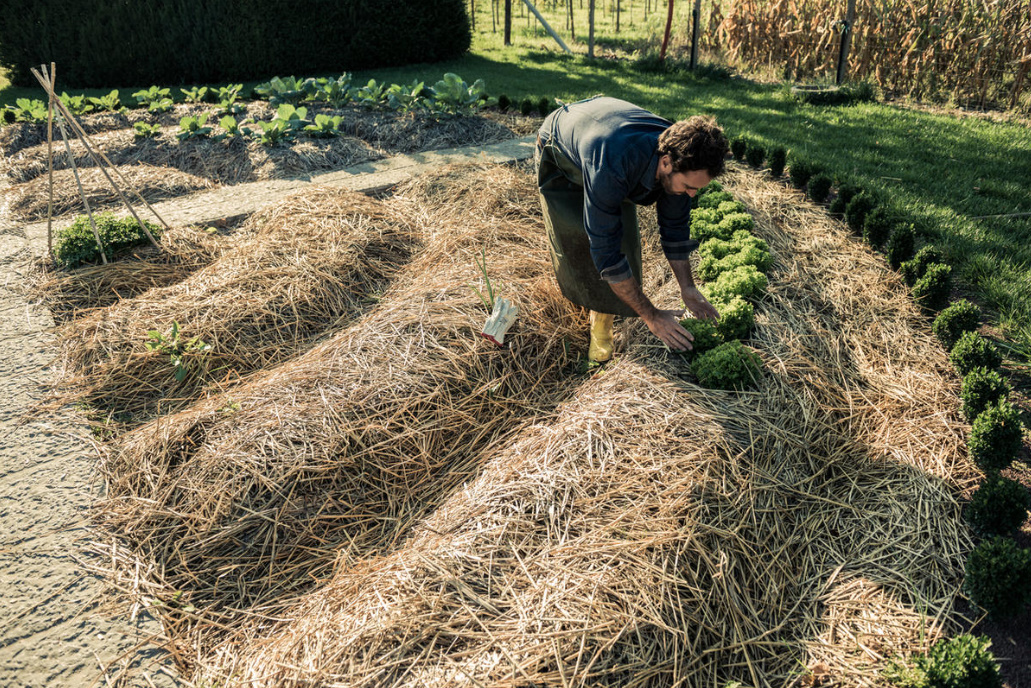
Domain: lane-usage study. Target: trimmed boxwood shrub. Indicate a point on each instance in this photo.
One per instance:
(974, 351)
(982, 388)
(738, 147)
(900, 247)
(998, 577)
(998, 507)
(963, 661)
(914, 269)
(932, 290)
(744, 281)
(800, 171)
(755, 154)
(737, 318)
(996, 437)
(956, 319)
(857, 210)
(526, 107)
(204, 41)
(504, 102)
(819, 187)
(544, 106)
(846, 192)
(76, 244)
(706, 336)
(877, 226)
(778, 158)
(729, 366)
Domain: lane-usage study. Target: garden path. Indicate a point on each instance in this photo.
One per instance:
(57, 625)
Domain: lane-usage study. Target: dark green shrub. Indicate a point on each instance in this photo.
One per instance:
(729, 366)
(544, 106)
(738, 146)
(755, 154)
(745, 281)
(914, 269)
(900, 245)
(778, 158)
(996, 437)
(800, 171)
(956, 319)
(76, 244)
(713, 199)
(877, 226)
(504, 102)
(998, 507)
(706, 337)
(196, 41)
(737, 318)
(974, 351)
(9, 116)
(998, 577)
(846, 192)
(857, 210)
(982, 388)
(819, 187)
(526, 107)
(963, 661)
(932, 290)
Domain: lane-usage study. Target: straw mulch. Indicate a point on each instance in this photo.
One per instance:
(367, 136)
(305, 266)
(652, 533)
(223, 162)
(30, 201)
(68, 294)
(245, 501)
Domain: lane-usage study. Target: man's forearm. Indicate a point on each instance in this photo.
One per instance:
(629, 292)
(682, 271)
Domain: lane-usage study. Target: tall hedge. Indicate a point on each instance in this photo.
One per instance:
(128, 42)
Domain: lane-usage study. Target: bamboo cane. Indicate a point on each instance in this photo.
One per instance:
(50, 161)
(97, 160)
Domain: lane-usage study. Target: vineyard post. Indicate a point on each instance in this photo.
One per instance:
(695, 30)
(846, 40)
(508, 22)
(590, 31)
(547, 26)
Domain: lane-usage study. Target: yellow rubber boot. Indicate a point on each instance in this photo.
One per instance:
(601, 337)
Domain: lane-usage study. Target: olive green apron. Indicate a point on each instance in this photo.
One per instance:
(561, 188)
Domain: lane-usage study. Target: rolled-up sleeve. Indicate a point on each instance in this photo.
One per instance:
(674, 216)
(603, 218)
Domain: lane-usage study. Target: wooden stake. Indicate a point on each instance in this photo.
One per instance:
(50, 160)
(547, 27)
(76, 128)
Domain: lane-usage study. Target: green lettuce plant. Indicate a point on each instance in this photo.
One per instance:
(452, 96)
(727, 366)
(109, 103)
(324, 126)
(287, 89)
(146, 131)
(706, 336)
(155, 99)
(191, 127)
(77, 105)
(76, 245)
(197, 94)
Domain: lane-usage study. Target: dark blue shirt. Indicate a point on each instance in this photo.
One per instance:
(615, 146)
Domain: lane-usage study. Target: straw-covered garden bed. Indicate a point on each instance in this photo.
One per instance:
(395, 501)
(164, 166)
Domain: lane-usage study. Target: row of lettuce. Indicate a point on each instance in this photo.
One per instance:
(998, 570)
(291, 97)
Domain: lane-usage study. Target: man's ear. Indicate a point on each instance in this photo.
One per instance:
(665, 164)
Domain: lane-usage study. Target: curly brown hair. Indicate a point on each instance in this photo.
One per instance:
(695, 144)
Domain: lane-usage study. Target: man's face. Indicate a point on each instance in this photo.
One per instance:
(680, 183)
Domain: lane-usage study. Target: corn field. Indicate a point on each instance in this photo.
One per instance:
(974, 52)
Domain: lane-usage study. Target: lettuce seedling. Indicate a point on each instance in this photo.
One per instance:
(108, 103)
(193, 127)
(325, 126)
(146, 131)
(196, 94)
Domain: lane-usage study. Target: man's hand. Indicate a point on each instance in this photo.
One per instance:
(666, 326)
(698, 304)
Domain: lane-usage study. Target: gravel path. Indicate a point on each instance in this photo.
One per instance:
(58, 625)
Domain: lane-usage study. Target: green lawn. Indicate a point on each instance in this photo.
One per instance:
(945, 172)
